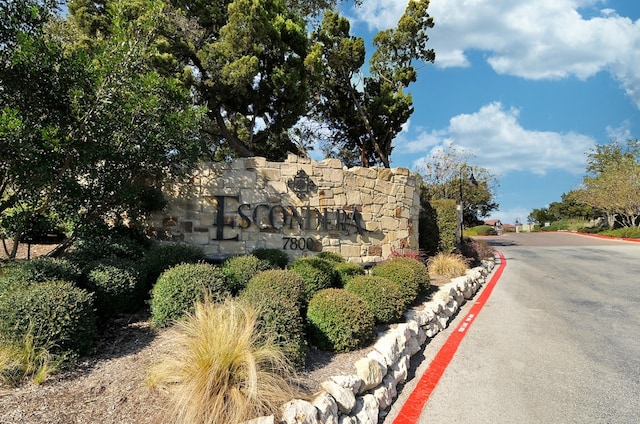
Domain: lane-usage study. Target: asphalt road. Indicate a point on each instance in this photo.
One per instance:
(558, 341)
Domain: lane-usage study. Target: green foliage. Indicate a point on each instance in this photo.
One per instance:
(438, 226)
(381, 294)
(484, 230)
(331, 257)
(163, 256)
(476, 250)
(60, 315)
(281, 283)
(278, 297)
(410, 275)
(627, 232)
(346, 271)
(276, 257)
(239, 270)
(116, 286)
(339, 321)
(178, 288)
(39, 270)
(97, 241)
(317, 274)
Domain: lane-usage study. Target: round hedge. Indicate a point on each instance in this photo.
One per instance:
(275, 257)
(277, 295)
(239, 270)
(178, 288)
(316, 274)
(339, 321)
(281, 283)
(161, 257)
(59, 314)
(381, 294)
(410, 274)
(40, 270)
(117, 288)
(348, 270)
(331, 256)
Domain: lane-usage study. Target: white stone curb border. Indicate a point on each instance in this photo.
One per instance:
(364, 398)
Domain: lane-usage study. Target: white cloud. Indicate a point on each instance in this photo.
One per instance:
(500, 144)
(542, 39)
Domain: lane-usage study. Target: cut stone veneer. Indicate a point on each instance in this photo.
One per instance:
(363, 214)
(374, 391)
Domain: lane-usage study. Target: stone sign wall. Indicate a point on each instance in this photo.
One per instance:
(299, 206)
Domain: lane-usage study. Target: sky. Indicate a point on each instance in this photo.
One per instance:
(526, 87)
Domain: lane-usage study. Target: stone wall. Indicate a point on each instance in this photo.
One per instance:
(300, 206)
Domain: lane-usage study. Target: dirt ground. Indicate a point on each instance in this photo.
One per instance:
(110, 386)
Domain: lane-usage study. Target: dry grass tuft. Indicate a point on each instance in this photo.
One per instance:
(21, 360)
(448, 265)
(220, 369)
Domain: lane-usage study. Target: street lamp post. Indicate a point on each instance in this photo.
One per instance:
(460, 206)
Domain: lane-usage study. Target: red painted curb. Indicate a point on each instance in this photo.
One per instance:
(635, 240)
(412, 408)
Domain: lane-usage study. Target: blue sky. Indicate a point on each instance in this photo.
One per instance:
(527, 87)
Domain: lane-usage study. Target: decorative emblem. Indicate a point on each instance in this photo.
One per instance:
(302, 185)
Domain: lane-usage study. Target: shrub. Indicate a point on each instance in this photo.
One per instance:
(178, 288)
(331, 256)
(275, 257)
(163, 256)
(346, 271)
(60, 314)
(438, 225)
(277, 296)
(339, 321)
(239, 270)
(627, 232)
(476, 251)
(484, 230)
(277, 283)
(448, 265)
(381, 294)
(39, 270)
(411, 276)
(221, 369)
(317, 275)
(117, 288)
(99, 241)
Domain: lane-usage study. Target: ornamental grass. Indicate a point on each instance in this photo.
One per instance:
(220, 369)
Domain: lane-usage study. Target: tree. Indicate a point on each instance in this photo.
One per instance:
(89, 132)
(446, 174)
(243, 60)
(612, 183)
(365, 113)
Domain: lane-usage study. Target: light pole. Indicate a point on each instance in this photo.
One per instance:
(460, 206)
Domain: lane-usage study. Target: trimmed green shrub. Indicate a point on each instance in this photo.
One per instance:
(411, 275)
(275, 257)
(164, 256)
(317, 274)
(348, 270)
(381, 294)
(485, 230)
(331, 256)
(117, 288)
(339, 321)
(277, 296)
(628, 232)
(178, 288)
(438, 225)
(239, 270)
(280, 283)
(60, 315)
(39, 270)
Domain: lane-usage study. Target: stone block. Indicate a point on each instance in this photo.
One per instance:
(344, 397)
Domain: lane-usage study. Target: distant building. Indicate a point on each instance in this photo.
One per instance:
(495, 223)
